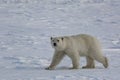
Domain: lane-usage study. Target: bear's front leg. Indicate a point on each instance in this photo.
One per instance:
(75, 61)
(56, 60)
(50, 68)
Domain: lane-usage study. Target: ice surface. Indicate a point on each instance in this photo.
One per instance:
(27, 25)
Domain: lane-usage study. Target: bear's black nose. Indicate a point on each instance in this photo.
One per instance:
(54, 44)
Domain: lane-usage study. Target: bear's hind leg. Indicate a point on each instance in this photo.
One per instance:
(102, 60)
(106, 63)
(90, 63)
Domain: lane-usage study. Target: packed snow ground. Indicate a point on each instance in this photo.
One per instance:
(26, 27)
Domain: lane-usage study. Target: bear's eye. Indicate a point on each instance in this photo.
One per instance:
(57, 40)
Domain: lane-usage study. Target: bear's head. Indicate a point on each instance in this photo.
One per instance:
(58, 43)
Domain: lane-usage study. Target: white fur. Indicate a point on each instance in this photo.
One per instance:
(76, 46)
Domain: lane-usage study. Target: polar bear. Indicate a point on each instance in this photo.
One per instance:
(76, 46)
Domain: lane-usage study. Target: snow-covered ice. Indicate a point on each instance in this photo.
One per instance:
(27, 25)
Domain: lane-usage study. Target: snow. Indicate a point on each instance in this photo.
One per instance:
(27, 25)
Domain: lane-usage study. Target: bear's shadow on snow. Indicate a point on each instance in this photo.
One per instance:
(18, 65)
(68, 68)
(58, 68)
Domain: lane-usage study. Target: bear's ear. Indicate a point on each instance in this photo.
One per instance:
(62, 38)
(51, 38)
